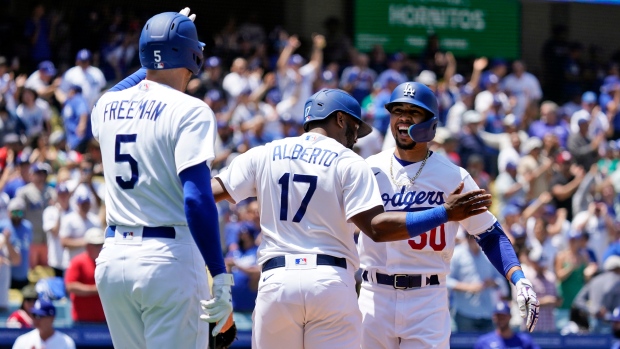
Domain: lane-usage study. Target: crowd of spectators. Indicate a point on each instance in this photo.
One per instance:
(548, 155)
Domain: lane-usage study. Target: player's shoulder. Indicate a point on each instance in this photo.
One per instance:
(378, 159)
(443, 164)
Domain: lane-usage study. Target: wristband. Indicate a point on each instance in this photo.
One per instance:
(420, 222)
(516, 276)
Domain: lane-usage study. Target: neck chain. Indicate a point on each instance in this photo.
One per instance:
(412, 179)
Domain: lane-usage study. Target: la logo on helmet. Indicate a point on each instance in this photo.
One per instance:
(307, 112)
(409, 91)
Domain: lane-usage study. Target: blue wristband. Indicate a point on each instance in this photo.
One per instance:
(516, 276)
(420, 222)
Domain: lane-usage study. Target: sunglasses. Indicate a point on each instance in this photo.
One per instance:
(17, 213)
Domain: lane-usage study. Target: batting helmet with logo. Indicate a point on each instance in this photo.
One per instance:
(169, 40)
(421, 96)
(327, 101)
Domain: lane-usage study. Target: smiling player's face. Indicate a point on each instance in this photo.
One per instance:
(402, 116)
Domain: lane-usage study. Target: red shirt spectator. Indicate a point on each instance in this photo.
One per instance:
(80, 280)
(22, 317)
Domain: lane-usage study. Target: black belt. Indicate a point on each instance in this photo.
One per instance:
(321, 259)
(403, 281)
(147, 232)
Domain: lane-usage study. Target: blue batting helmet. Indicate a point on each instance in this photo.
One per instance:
(327, 101)
(421, 96)
(169, 40)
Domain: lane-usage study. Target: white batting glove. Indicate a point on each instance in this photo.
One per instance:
(220, 306)
(528, 303)
(185, 12)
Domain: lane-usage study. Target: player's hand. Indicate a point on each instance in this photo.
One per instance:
(220, 307)
(464, 205)
(529, 306)
(185, 12)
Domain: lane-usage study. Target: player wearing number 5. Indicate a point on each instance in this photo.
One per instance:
(404, 298)
(157, 145)
(310, 189)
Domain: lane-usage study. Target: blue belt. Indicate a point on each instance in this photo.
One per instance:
(321, 259)
(403, 281)
(147, 232)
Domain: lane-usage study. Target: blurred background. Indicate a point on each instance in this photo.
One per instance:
(528, 91)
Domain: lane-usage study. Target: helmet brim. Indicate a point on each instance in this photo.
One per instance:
(406, 100)
(364, 130)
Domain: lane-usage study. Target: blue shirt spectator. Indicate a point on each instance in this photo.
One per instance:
(76, 118)
(21, 236)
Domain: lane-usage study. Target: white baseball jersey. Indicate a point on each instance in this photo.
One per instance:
(148, 135)
(308, 188)
(91, 80)
(429, 253)
(33, 340)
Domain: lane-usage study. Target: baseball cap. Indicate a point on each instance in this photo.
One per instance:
(574, 234)
(471, 117)
(94, 236)
(274, 95)
(511, 165)
(296, 59)
(491, 79)
(427, 77)
(502, 308)
(457, 79)
(531, 144)
(549, 210)
(610, 84)
(588, 97)
(29, 292)
(47, 67)
(82, 197)
(16, 204)
(76, 88)
(43, 307)
(83, 55)
(612, 262)
(398, 56)
(214, 95)
(536, 255)
(212, 62)
(517, 231)
(40, 167)
(328, 76)
(510, 210)
(563, 157)
(62, 188)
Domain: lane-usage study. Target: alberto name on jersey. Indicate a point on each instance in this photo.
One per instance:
(429, 253)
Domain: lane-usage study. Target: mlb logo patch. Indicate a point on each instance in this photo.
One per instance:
(310, 138)
(301, 261)
(128, 235)
(159, 65)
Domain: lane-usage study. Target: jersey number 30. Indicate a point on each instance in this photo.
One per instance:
(284, 182)
(120, 157)
(421, 241)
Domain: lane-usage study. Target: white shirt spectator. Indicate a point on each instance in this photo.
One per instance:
(598, 236)
(32, 340)
(287, 84)
(51, 214)
(598, 125)
(525, 88)
(35, 116)
(73, 226)
(484, 101)
(90, 80)
(234, 83)
(454, 120)
(34, 81)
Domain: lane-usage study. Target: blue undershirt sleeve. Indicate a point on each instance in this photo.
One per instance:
(420, 222)
(130, 81)
(202, 216)
(498, 249)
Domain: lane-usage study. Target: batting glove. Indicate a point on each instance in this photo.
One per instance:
(185, 12)
(220, 307)
(528, 303)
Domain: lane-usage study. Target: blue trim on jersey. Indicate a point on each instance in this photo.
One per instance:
(202, 216)
(404, 163)
(130, 81)
(498, 249)
(420, 222)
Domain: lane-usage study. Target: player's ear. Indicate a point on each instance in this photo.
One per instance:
(340, 119)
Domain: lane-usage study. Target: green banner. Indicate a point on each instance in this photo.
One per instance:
(464, 27)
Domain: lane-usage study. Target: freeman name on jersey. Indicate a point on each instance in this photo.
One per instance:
(324, 157)
(121, 110)
(413, 197)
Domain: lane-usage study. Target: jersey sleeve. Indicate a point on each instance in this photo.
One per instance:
(476, 224)
(195, 139)
(240, 177)
(94, 121)
(360, 188)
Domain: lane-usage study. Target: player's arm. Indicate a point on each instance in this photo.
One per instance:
(498, 249)
(219, 191)
(392, 226)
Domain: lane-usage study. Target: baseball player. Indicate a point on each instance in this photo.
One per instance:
(157, 145)
(404, 298)
(310, 189)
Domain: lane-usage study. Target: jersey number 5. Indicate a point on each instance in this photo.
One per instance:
(284, 182)
(119, 157)
(434, 244)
